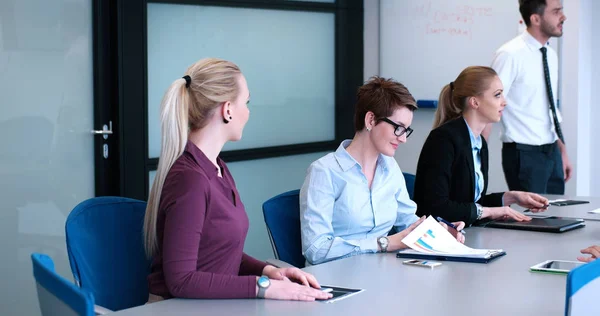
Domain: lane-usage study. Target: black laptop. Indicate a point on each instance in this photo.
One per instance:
(551, 224)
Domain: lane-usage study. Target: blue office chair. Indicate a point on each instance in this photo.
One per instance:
(56, 295)
(106, 251)
(583, 286)
(282, 217)
(410, 183)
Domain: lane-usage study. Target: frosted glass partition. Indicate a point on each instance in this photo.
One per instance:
(46, 156)
(287, 58)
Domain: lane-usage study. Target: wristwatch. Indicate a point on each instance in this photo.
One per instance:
(383, 243)
(263, 284)
(479, 210)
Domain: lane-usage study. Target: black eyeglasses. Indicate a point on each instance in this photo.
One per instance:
(399, 130)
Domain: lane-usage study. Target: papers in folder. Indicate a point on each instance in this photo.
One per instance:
(430, 238)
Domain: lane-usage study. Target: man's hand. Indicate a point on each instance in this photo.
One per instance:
(567, 166)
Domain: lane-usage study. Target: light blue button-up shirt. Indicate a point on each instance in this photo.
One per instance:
(340, 216)
(476, 144)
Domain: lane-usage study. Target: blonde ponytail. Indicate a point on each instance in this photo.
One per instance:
(184, 109)
(447, 109)
(174, 127)
(472, 81)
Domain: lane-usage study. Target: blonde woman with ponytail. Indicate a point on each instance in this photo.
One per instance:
(452, 173)
(196, 224)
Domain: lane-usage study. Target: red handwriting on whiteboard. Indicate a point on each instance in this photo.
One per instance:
(474, 11)
(459, 21)
(452, 31)
(441, 16)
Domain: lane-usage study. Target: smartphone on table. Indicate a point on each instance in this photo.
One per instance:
(422, 263)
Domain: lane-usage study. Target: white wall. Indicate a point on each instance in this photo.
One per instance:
(578, 80)
(594, 145)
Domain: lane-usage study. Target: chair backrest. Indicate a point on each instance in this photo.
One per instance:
(56, 295)
(583, 286)
(106, 250)
(282, 216)
(410, 183)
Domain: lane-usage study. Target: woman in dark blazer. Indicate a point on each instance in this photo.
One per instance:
(452, 173)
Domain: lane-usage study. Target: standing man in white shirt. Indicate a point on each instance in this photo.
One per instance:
(534, 156)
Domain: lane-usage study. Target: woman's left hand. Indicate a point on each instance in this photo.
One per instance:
(292, 274)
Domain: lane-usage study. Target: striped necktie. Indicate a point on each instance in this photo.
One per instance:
(551, 95)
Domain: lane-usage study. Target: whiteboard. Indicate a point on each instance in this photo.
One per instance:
(426, 44)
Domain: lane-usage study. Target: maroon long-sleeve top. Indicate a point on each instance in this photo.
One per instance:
(201, 229)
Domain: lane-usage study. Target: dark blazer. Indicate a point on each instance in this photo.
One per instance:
(445, 181)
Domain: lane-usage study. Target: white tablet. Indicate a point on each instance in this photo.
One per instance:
(556, 266)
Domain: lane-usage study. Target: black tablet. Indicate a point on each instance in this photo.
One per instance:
(551, 224)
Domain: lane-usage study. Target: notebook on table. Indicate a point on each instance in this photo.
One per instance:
(485, 257)
(431, 241)
(551, 224)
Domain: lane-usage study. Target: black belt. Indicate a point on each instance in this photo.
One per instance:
(541, 148)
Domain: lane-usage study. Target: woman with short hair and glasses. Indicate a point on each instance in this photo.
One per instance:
(452, 173)
(351, 199)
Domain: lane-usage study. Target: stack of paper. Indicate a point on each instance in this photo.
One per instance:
(432, 238)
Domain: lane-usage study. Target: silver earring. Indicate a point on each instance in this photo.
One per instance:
(368, 129)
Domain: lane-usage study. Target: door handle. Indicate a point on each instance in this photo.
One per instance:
(105, 131)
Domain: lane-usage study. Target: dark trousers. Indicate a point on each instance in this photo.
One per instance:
(535, 169)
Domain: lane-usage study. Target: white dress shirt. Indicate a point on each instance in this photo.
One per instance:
(340, 216)
(476, 144)
(527, 118)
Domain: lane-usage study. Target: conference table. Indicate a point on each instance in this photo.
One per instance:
(504, 286)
